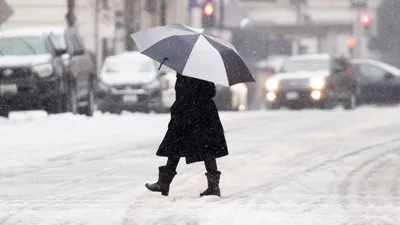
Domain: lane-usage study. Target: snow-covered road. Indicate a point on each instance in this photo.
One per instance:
(285, 167)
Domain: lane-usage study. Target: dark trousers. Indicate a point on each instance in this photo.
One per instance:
(210, 163)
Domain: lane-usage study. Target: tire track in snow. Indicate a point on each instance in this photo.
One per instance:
(264, 188)
(366, 191)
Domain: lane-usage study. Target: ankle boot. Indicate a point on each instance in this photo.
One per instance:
(213, 184)
(165, 177)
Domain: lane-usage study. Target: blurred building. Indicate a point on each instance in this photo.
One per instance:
(281, 12)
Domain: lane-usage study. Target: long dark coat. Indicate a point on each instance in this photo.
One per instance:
(195, 130)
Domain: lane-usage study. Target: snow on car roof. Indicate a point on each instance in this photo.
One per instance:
(310, 56)
(32, 31)
(128, 56)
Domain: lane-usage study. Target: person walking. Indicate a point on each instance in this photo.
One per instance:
(194, 132)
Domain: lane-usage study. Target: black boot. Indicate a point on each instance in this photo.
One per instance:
(213, 184)
(165, 177)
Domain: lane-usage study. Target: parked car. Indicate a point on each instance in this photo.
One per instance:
(380, 82)
(320, 80)
(131, 81)
(45, 69)
(232, 98)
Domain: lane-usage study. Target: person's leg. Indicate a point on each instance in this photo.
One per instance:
(213, 177)
(165, 176)
(173, 162)
(211, 164)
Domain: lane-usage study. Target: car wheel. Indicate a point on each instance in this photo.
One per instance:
(90, 106)
(54, 104)
(115, 111)
(4, 110)
(272, 106)
(351, 103)
(327, 104)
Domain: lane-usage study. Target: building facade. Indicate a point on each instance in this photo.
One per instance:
(44, 13)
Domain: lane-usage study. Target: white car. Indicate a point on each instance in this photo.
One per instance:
(132, 81)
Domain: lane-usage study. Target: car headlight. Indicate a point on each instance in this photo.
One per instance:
(317, 83)
(272, 84)
(44, 70)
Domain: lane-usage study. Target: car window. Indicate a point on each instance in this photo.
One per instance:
(58, 41)
(35, 45)
(371, 73)
(72, 42)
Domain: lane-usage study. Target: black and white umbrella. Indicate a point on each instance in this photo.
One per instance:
(191, 52)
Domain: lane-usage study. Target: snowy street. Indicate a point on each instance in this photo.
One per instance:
(308, 167)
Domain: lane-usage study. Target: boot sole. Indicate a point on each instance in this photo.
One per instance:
(210, 195)
(164, 193)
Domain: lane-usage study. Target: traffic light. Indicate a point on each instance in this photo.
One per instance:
(365, 19)
(208, 17)
(351, 44)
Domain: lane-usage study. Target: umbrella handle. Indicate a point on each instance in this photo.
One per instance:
(162, 62)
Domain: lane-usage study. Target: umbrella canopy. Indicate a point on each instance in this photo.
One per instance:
(191, 52)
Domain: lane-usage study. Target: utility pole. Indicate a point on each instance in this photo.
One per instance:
(70, 16)
(298, 4)
(96, 32)
(6, 11)
(221, 14)
(358, 29)
(129, 24)
(298, 13)
(358, 34)
(104, 41)
(163, 13)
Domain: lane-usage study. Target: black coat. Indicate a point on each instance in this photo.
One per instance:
(195, 130)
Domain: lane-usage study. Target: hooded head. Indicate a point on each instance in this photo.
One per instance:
(194, 87)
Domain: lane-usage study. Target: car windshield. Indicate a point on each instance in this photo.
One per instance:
(129, 66)
(17, 46)
(305, 65)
